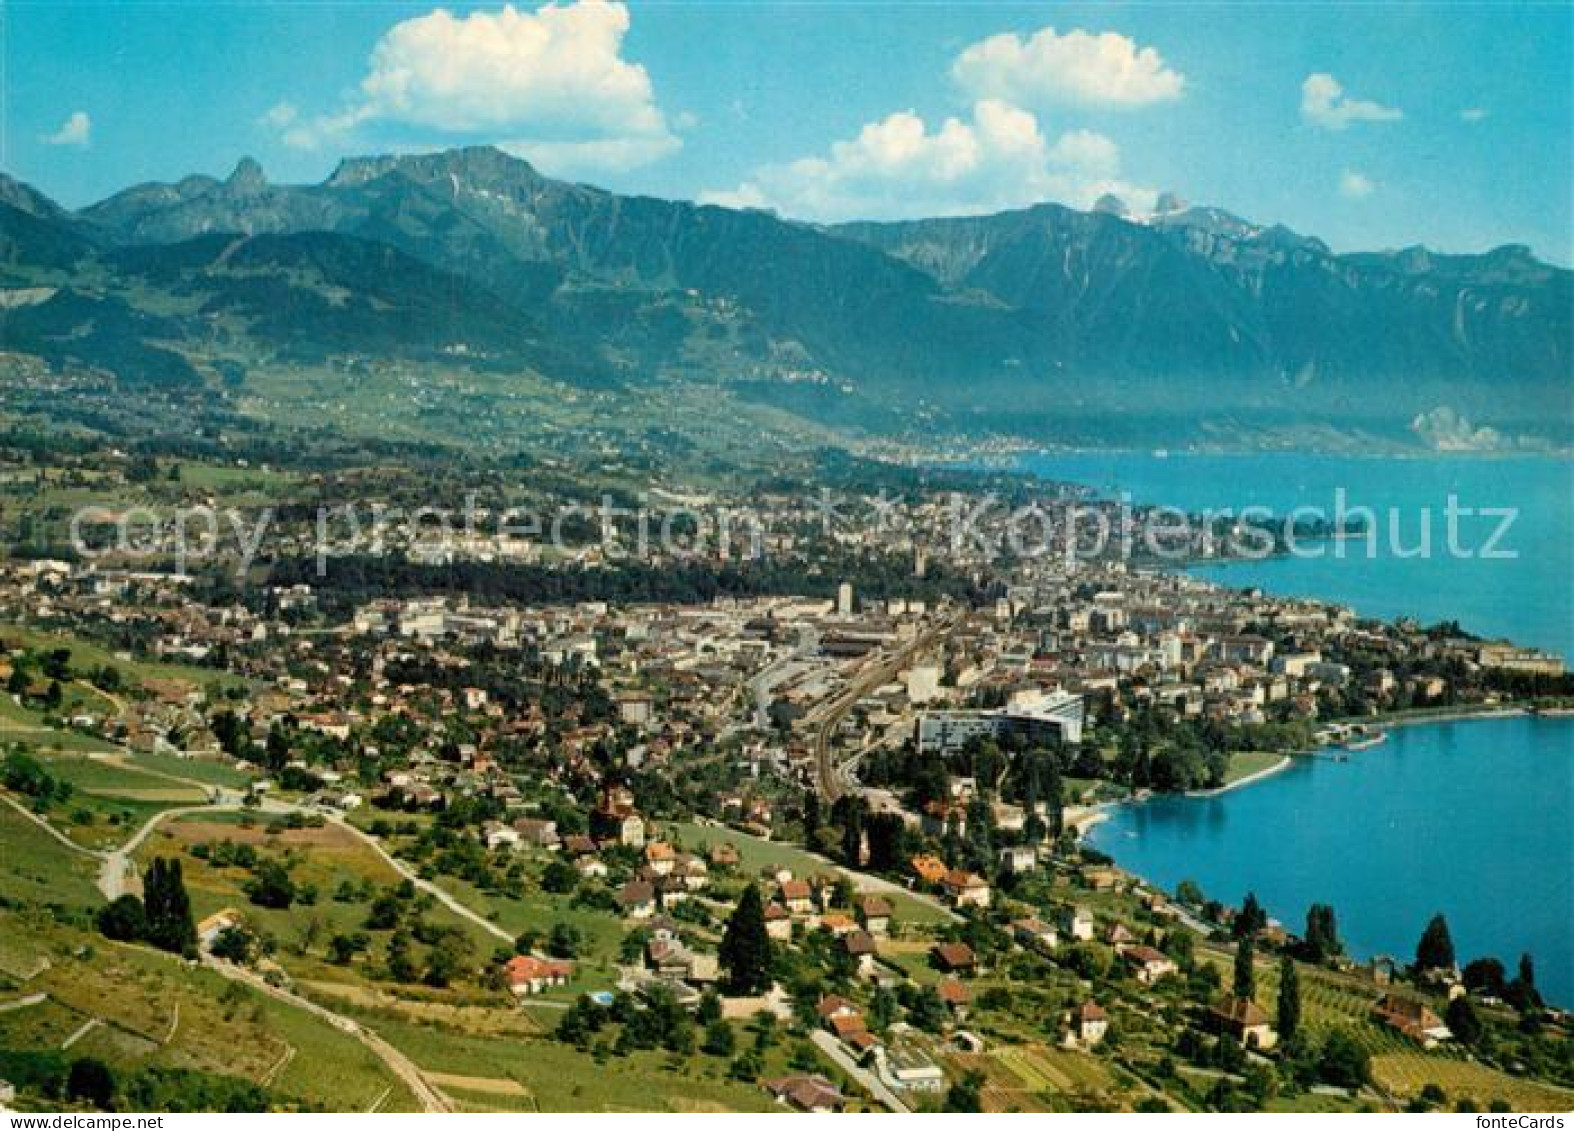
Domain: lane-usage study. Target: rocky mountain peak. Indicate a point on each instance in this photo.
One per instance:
(248, 177)
(477, 165)
(1111, 205)
(25, 198)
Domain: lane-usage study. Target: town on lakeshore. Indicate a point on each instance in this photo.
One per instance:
(455, 825)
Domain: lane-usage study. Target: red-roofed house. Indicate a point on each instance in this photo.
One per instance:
(1148, 965)
(1089, 1023)
(930, 869)
(527, 974)
(966, 889)
(875, 913)
(1412, 1018)
(778, 922)
(1244, 1020)
(798, 897)
(954, 957)
(956, 996)
(807, 1093)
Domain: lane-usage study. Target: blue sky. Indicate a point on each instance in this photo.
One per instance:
(1370, 125)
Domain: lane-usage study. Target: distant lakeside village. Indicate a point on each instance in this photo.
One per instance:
(840, 790)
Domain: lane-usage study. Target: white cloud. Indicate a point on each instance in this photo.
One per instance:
(76, 130)
(1356, 185)
(1473, 114)
(899, 167)
(280, 115)
(1324, 103)
(551, 85)
(1078, 67)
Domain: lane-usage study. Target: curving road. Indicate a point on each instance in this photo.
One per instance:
(47, 827)
(116, 870)
(443, 897)
(400, 1065)
(117, 864)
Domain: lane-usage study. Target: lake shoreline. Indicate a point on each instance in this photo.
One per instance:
(1007, 453)
(1249, 844)
(1284, 763)
(1525, 600)
(1083, 818)
(1459, 715)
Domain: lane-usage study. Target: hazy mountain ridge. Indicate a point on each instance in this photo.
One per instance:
(803, 298)
(318, 293)
(1204, 290)
(1032, 314)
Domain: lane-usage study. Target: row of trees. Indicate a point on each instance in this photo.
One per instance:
(161, 918)
(1435, 955)
(353, 579)
(22, 773)
(1244, 985)
(90, 1081)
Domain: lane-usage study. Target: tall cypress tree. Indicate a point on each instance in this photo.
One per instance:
(1322, 933)
(1435, 951)
(183, 924)
(745, 950)
(853, 834)
(1033, 827)
(887, 839)
(811, 816)
(1056, 803)
(1527, 971)
(1289, 1019)
(155, 899)
(1521, 993)
(1245, 985)
(170, 923)
(1251, 918)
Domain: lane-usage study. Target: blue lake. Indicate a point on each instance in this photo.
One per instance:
(1471, 818)
(1528, 598)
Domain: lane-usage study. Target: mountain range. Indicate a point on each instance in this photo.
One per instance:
(1047, 322)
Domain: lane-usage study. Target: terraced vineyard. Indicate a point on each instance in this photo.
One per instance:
(502, 1073)
(1406, 1073)
(107, 776)
(1333, 1001)
(208, 771)
(1043, 1078)
(137, 1007)
(38, 868)
(485, 1093)
(21, 725)
(1399, 1066)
